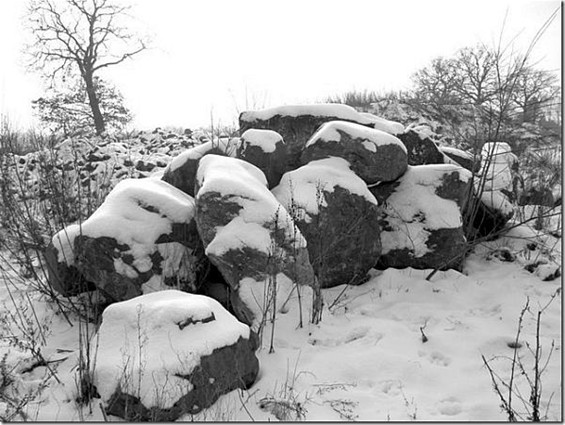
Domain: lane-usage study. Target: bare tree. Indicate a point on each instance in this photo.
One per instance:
(83, 35)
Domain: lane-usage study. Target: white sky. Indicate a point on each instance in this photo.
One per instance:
(208, 53)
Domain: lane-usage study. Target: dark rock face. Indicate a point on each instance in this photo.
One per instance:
(64, 278)
(422, 225)
(267, 151)
(465, 159)
(337, 215)
(373, 155)
(226, 369)
(491, 213)
(246, 232)
(296, 124)
(181, 172)
(421, 150)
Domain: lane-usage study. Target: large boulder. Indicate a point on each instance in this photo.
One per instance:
(297, 123)
(162, 355)
(373, 155)
(266, 150)
(338, 216)
(181, 171)
(247, 233)
(421, 148)
(421, 225)
(142, 238)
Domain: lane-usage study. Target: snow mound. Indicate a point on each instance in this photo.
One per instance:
(138, 211)
(146, 344)
(265, 139)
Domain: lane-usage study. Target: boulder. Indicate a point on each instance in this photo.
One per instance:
(165, 354)
(247, 233)
(142, 238)
(373, 155)
(422, 149)
(297, 123)
(421, 224)
(266, 150)
(181, 171)
(338, 216)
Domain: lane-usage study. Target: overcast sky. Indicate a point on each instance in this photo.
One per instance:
(208, 54)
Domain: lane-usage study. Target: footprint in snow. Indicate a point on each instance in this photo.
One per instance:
(450, 406)
(435, 357)
(353, 335)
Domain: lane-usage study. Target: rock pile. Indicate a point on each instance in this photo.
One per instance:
(308, 196)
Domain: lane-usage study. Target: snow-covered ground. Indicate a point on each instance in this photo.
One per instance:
(396, 348)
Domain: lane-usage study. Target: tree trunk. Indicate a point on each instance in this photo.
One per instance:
(99, 124)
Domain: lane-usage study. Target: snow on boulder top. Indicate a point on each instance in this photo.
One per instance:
(224, 145)
(176, 330)
(374, 138)
(229, 175)
(416, 192)
(423, 131)
(302, 186)
(138, 211)
(333, 110)
(265, 139)
(391, 127)
(456, 152)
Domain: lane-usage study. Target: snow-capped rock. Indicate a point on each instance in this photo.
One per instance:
(372, 154)
(142, 238)
(337, 215)
(169, 353)
(297, 123)
(247, 233)
(266, 150)
(181, 171)
(422, 225)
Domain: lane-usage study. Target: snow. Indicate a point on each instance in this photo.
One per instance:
(414, 209)
(388, 126)
(366, 359)
(423, 131)
(123, 216)
(301, 187)
(142, 348)
(229, 175)
(497, 159)
(458, 152)
(333, 110)
(497, 201)
(245, 184)
(226, 145)
(330, 131)
(265, 139)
